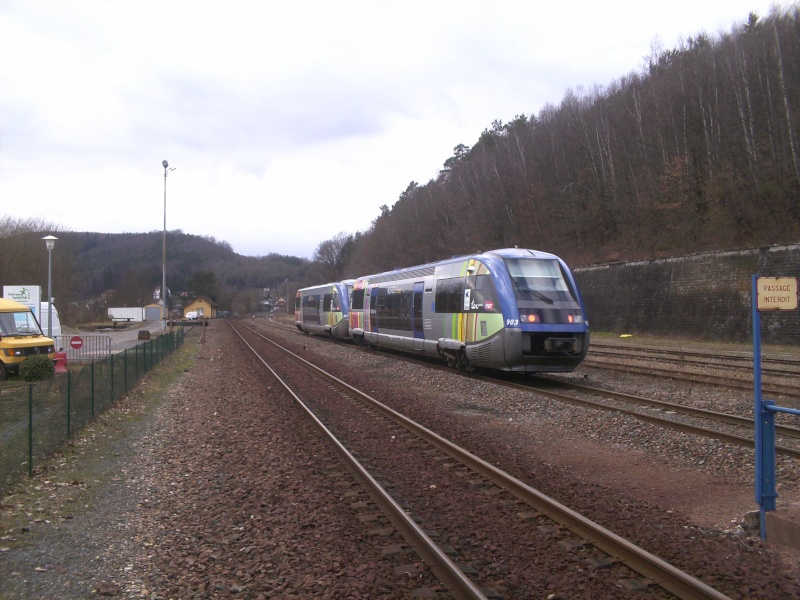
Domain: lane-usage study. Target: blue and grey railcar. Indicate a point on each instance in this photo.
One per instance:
(511, 310)
(324, 309)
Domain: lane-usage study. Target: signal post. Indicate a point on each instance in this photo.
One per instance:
(769, 294)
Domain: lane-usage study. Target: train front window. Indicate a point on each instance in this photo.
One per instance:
(540, 280)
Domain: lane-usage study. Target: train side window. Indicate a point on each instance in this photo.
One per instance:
(394, 309)
(311, 302)
(449, 295)
(357, 300)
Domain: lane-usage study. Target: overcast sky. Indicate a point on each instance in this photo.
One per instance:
(287, 122)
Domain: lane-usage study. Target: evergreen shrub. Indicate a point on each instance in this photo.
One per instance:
(36, 368)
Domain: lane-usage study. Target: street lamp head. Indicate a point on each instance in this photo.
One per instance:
(49, 241)
(164, 164)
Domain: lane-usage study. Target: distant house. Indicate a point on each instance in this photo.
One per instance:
(204, 307)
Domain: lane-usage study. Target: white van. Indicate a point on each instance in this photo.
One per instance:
(43, 320)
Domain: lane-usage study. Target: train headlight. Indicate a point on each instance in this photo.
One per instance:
(575, 318)
(527, 318)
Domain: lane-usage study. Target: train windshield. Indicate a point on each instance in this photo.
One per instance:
(536, 279)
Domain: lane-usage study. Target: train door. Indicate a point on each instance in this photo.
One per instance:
(311, 309)
(419, 333)
(373, 310)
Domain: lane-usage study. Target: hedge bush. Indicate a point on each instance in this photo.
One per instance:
(36, 368)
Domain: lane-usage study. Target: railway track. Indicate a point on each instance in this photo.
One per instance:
(743, 423)
(732, 369)
(714, 419)
(739, 430)
(532, 508)
(669, 410)
(775, 362)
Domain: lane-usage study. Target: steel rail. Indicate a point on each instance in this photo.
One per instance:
(681, 408)
(690, 376)
(639, 560)
(660, 421)
(732, 355)
(719, 363)
(459, 585)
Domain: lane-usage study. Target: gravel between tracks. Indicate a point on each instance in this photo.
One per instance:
(202, 491)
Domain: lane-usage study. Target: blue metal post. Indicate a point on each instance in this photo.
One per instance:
(757, 407)
(763, 427)
(769, 471)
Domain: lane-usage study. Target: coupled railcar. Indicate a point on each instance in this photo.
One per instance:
(324, 309)
(511, 310)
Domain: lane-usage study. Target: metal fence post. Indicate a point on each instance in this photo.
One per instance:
(69, 404)
(30, 429)
(92, 394)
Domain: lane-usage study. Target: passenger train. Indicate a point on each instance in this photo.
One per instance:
(324, 309)
(510, 310)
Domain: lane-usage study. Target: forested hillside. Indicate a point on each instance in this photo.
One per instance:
(696, 151)
(92, 271)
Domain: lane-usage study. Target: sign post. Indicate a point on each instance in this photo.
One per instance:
(769, 294)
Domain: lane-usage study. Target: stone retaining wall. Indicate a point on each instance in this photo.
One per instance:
(703, 296)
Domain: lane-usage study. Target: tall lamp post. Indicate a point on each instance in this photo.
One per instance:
(50, 242)
(164, 164)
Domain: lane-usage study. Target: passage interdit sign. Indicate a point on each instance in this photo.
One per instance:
(776, 293)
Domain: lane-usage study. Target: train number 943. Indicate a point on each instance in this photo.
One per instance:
(512, 322)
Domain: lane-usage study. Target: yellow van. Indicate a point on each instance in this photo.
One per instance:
(20, 337)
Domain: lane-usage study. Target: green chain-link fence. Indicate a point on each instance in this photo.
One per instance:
(37, 418)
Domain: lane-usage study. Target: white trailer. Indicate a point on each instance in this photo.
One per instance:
(133, 314)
